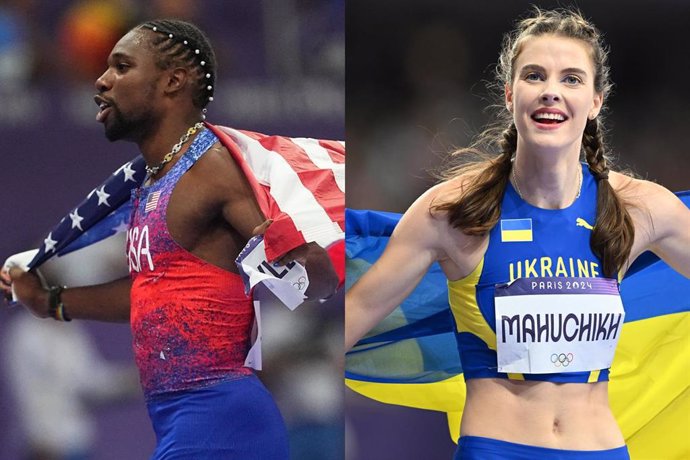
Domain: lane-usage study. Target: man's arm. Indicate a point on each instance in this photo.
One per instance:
(104, 302)
(241, 211)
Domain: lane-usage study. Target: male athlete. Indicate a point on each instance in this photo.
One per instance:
(191, 320)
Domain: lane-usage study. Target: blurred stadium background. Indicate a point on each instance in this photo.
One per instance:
(415, 88)
(281, 71)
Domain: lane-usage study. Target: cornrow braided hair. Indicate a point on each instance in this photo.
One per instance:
(478, 207)
(180, 43)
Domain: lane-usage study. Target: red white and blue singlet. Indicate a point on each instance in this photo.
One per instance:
(191, 320)
(191, 324)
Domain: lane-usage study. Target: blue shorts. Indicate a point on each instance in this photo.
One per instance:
(235, 419)
(478, 448)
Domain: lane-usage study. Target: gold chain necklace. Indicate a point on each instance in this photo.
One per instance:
(153, 170)
(517, 186)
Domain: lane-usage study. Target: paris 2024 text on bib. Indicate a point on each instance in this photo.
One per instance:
(552, 325)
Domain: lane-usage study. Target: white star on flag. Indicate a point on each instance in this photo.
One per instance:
(114, 194)
(103, 196)
(121, 227)
(50, 242)
(129, 172)
(76, 219)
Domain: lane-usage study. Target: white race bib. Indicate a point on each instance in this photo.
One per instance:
(286, 283)
(552, 325)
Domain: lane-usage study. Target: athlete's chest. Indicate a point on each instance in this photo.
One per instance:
(185, 210)
(529, 242)
(536, 247)
(193, 211)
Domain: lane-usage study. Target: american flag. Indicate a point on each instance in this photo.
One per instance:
(152, 201)
(104, 212)
(298, 182)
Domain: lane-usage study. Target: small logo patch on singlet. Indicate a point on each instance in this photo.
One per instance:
(152, 201)
(580, 222)
(516, 230)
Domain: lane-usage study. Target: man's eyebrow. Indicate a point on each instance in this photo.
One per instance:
(120, 55)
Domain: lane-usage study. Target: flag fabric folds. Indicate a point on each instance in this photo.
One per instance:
(411, 358)
(298, 183)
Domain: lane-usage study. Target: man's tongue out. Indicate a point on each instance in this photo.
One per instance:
(103, 113)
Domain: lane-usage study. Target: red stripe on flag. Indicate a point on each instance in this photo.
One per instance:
(295, 156)
(320, 182)
(337, 254)
(335, 149)
(282, 236)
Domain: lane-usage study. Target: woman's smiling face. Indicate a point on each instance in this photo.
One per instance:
(552, 92)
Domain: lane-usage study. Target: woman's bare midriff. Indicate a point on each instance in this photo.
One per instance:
(556, 415)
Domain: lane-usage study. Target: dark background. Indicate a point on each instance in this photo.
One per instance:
(281, 71)
(415, 88)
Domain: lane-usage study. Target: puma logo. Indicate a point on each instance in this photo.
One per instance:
(580, 222)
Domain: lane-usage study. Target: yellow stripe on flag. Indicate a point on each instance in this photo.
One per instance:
(650, 384)
(649, 390)
(516, 236)
(446, 395)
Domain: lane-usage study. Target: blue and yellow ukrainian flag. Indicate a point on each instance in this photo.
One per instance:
(516, 230)
(411, 358)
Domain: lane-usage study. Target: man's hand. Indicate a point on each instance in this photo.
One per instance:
(6, 285)
(323, 279)
(27, 286)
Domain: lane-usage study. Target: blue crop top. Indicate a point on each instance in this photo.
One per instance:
(527, 242)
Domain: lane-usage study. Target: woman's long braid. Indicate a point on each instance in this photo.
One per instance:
(613, 233)
(595, 149)
(474, 217)
(508, 142)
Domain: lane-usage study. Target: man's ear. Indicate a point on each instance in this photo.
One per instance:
(176, 80)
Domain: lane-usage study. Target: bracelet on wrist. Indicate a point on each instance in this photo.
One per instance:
(56, 307)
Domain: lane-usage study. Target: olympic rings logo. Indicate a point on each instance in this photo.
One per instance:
(562, 359)
(300, 283)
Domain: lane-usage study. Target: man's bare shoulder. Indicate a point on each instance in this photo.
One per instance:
(217, 173)
(216, 162)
